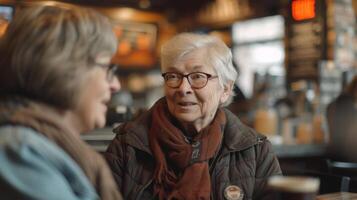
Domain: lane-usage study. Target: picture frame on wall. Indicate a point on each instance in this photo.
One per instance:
(137, 43)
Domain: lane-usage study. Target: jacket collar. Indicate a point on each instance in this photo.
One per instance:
(237, 136)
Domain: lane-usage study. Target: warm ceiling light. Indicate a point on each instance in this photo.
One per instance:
(303, 9)
(125, 13)
(49, 3)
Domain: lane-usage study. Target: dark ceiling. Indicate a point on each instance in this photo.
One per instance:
(154, 5)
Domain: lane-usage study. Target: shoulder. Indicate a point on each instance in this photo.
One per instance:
(134, 131)
(22, 149)
(138, 125)
(240, 135)
(26, 143)
(343, 100)
(17, 137)
(234, 123)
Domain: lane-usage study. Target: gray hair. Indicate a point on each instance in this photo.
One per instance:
(219, 56)
(47, 50)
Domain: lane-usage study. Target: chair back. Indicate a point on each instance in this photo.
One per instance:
(342, 168)
(348, 169)
(330, 183)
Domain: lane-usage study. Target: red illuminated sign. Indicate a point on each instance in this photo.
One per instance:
(303, 9)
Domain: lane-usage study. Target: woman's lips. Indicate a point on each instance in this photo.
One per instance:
(186, 104)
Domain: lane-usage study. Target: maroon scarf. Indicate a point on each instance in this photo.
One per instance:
(191, 179)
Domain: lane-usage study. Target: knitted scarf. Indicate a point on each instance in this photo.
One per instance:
(182, 170)
(46, 121)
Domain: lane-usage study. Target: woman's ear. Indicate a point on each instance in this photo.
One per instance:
(227, 91)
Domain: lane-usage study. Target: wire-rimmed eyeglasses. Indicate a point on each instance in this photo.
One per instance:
(111, 70)
(197, 80)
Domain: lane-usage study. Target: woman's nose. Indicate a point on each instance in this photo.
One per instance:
(185, 85)
(114, 84)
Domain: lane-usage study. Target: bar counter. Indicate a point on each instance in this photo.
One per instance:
(300, 150)
(99, 139)
(338, 196)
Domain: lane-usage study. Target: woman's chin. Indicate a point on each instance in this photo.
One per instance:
(95, 125)
(184, 118)
(100, 123)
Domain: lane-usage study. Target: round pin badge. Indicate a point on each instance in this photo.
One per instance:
(233, 192)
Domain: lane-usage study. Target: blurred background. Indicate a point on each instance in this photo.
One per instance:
(294, 58)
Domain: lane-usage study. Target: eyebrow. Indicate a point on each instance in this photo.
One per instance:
(195, 68)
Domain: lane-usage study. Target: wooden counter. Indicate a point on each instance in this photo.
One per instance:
(338, 196)
(301, 150)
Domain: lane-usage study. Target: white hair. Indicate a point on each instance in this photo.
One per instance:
(219, 56)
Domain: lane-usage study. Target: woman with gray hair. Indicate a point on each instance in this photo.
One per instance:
(55, 83)
(188, 146)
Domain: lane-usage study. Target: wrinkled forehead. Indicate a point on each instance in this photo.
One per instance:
(196, 60)
(189, 68)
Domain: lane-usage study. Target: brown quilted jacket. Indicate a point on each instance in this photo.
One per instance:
(245, 159)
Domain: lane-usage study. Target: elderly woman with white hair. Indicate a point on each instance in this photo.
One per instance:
(188, 146)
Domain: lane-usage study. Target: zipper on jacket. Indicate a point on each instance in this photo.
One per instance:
(211, 170)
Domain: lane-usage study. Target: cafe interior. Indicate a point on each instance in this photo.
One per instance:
(295, 59)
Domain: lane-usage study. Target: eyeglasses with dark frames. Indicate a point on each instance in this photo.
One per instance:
(197, 80)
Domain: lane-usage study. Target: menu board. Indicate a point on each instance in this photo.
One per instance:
(136, 44)
(341, 33)
(305, 45)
